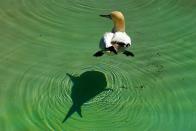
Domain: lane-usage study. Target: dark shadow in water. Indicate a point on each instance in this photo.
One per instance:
(85, 87)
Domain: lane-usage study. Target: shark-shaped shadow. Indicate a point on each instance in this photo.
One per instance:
(85, 87)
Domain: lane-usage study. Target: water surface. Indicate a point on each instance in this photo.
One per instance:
(48, 73)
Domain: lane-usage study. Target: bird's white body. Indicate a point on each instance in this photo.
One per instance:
(109, 38)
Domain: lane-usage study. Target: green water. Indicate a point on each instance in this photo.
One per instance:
(47, 70)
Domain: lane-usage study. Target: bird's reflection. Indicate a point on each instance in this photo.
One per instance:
(85, 87)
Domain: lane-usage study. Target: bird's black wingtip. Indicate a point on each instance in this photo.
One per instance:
(98, 54)
(128, 53)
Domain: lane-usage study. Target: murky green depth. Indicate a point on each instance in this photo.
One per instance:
(48, 73)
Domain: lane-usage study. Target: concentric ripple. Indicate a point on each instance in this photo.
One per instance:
(48, 73)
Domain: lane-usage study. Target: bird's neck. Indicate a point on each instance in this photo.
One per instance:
(119, 26)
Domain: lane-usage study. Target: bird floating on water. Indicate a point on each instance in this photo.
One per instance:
(117, 40)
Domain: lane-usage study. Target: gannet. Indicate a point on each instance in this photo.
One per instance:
(117, 40)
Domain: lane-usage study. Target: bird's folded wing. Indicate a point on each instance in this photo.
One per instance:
(121, 37)
(106, 40)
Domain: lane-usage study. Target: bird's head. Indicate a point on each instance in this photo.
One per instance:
(118, 19)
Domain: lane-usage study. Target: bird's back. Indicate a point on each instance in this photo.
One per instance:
(117, 37)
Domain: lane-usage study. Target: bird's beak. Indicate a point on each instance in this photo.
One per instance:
(106, 16)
